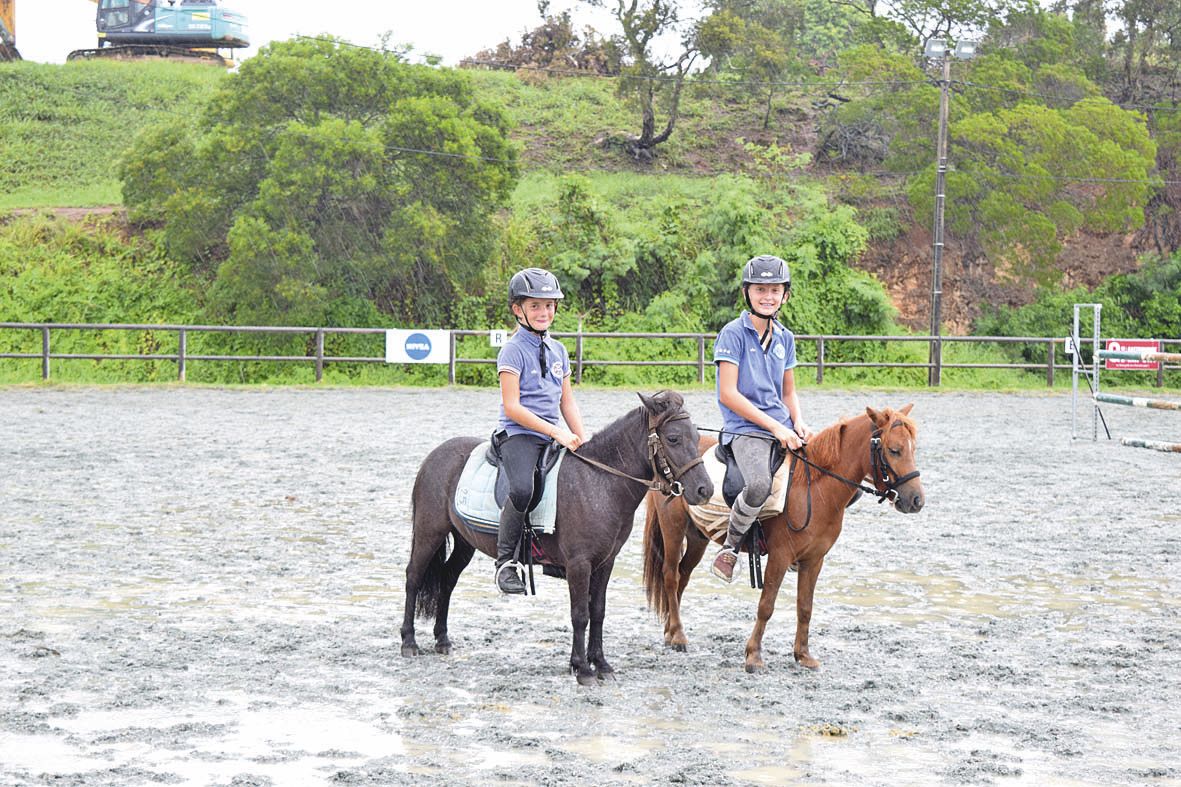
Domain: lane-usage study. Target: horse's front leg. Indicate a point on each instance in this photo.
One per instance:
(578, 577)
(772, 579)
(670, 574)
(598, 611)
(809, 573)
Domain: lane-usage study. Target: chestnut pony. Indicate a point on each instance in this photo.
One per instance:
(878, 446)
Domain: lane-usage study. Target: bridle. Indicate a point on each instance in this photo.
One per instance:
(885, 478)
(666, 477)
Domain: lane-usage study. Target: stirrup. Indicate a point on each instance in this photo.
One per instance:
(516, 570)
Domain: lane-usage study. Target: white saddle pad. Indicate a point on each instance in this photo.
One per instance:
(475, 496)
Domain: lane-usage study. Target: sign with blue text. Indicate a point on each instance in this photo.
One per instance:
(411, 345)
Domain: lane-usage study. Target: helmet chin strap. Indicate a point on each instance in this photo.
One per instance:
(525, 324)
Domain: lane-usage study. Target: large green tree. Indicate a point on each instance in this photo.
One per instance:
(323, 175)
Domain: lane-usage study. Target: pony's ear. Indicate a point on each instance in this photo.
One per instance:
(652, 404)
(906, 410)
(661, 401)
(879, 418)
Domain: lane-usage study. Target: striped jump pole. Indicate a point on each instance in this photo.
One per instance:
(1137, 401)
(1141, 355)
(1155, 445)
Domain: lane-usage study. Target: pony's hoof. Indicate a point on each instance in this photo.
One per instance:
(679, 647)
(410, 650)
(587, 678)
(605, 674)
(443, 648)
(807, 662)
(755, 666)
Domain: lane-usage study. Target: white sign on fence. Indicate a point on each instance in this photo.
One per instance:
(497, 338)
(410, 345)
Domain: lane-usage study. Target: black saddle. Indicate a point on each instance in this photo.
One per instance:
(733, 483)
(545, 462)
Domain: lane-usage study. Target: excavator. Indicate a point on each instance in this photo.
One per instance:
(187, 29)
(165, 28)
(8, 31)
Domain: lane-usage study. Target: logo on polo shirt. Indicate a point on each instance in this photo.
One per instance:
(779, 353)
(556, 369)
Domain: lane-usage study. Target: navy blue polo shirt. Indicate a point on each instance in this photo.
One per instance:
(541, 394)
(760, 373)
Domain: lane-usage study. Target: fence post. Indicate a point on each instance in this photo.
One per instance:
(936, 374)
(45, 352)
(319, 354)
(1160, 375)
(819, 360)
(578, 354)
(182, 346)
(701, 359)
(451, 361)
(1050, 363)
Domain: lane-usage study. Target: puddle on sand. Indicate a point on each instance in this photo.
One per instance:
(285, 745)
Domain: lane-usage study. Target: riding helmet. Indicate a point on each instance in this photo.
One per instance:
(766, 269)
(534, 283)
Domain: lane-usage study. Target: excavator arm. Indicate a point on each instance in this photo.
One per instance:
(8, 30)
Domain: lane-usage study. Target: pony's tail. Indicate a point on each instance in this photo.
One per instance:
(654, 557)
(431, 584)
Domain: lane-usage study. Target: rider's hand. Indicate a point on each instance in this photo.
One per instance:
(568, 439)
(804, 432)
(786, 437)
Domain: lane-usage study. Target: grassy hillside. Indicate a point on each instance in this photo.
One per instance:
(63, 127)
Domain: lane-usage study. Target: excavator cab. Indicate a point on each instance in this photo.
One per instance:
(166, 28)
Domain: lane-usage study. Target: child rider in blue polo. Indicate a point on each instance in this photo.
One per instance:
(534, 372)
(756, 357)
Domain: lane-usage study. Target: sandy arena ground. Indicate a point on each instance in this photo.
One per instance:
(204, 587)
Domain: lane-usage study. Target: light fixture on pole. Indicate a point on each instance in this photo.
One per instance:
(938, 50)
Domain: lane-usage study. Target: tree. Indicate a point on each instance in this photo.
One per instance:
(322, 174)
(653, 80)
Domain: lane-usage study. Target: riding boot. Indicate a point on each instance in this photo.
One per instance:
(508, 537)
(742, 517)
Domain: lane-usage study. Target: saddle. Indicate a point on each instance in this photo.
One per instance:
(733, 481)
(546, 461)
(482, 490)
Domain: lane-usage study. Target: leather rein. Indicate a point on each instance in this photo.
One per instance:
(665, 476)
(886, 480)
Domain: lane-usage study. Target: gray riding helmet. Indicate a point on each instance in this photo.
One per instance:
(534, 283)
(766, 269)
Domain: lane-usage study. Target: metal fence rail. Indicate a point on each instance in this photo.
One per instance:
(699, 360)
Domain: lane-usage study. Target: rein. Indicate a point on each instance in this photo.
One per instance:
(665, 477)
(883, 472)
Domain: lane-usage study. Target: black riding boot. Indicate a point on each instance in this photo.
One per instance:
(508, 536)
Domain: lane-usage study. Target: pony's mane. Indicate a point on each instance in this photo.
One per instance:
(825, 447)
(605, 435)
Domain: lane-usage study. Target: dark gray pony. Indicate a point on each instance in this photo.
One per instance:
(651, 447)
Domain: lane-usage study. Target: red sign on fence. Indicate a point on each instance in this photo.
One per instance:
(1132, 345)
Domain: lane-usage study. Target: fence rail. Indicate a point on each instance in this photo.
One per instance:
(701, 361)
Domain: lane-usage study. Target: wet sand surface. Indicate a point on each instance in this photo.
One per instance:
(204, 587)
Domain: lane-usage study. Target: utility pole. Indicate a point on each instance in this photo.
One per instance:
(937, 49)
(935, 356)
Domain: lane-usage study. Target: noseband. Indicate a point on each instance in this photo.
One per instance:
(665, 476)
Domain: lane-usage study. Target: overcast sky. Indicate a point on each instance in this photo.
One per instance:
(48, 30)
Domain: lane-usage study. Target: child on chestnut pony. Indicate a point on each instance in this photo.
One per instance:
(755, 356)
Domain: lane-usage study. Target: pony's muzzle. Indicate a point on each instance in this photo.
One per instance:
(910, 499)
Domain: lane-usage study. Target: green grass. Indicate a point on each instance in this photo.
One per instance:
(64, 127)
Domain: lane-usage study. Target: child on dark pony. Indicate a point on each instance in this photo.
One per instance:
(534, 372)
